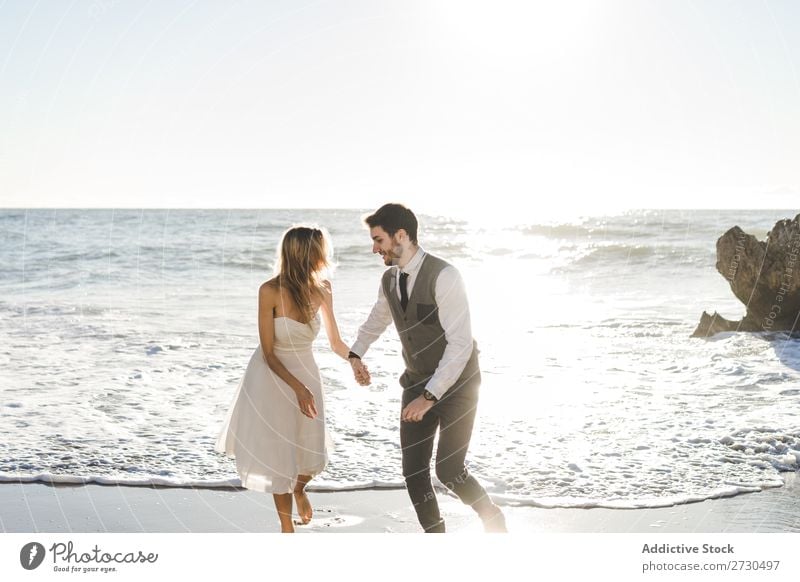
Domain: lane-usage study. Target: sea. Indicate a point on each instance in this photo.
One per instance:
(124, 333)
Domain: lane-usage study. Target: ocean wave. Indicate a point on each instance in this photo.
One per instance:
(765, 446)
(573, 231)
(669, 225)
(176, 482)
(615, 253)
(502, 499)
(32, 309)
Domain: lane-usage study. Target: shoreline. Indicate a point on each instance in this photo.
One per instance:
(501, 499)
(73, 508)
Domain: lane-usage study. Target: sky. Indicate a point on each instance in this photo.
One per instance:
(476, 107)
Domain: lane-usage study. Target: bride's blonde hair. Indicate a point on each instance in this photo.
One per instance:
(305, 257)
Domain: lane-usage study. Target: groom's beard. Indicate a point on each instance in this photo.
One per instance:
(393, 256)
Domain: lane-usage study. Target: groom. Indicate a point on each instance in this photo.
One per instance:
(425, 297)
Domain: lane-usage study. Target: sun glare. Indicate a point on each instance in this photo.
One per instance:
(515, 28)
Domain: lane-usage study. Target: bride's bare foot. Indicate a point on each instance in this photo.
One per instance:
(304, 509)
(283, 505)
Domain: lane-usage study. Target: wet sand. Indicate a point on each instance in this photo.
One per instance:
(39, 507)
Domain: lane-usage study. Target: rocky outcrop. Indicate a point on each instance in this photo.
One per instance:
(763, 275)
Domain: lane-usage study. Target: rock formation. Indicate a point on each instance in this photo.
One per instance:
(764, 276)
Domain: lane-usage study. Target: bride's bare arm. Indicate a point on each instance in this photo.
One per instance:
(329, 319)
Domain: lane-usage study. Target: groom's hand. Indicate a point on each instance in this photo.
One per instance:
(416, 409)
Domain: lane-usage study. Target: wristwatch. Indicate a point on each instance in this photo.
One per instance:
(353, 355)
(429, 396)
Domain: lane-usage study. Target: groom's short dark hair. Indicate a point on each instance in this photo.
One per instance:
(392, 217)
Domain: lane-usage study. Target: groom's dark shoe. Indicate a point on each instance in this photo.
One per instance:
(492, 516)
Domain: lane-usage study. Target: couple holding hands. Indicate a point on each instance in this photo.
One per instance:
(275, 427)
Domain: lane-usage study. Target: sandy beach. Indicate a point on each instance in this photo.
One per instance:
(39, 507)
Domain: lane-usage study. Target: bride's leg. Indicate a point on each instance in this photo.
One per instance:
(283, 503)
(303, 503)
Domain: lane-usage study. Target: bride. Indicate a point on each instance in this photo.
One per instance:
(275, 427)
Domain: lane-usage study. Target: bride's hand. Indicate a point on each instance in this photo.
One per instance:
(306, 401)
(360, 372)
(365, 377)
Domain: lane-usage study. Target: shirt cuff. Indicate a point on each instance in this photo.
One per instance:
(435, 390)
(359, 348)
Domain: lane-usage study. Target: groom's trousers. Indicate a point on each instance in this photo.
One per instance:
(454, 416)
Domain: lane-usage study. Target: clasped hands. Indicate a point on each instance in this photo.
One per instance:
(360, 372)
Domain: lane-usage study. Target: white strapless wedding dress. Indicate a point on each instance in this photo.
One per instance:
(272, 441)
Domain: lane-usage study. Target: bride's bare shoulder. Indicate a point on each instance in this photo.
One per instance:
(324, 292)
(269, 288)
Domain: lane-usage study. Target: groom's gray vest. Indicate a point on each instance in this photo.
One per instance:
(421, 334)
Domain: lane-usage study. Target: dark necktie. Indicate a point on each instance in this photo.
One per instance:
(403, 290)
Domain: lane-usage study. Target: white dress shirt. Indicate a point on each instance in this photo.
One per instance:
(451, 298)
